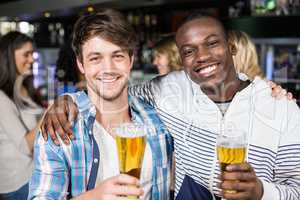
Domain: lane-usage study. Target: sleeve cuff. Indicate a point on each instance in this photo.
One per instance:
(270, 191)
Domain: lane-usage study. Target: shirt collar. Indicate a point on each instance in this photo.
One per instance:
(198, 92)
(88, 110)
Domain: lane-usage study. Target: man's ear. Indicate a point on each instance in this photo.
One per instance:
(131, 61)
(80, 66)
(233, 49)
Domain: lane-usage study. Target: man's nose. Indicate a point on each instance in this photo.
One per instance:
(107, 64)
(203, 55)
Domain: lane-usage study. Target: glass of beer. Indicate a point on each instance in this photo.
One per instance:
(131, 142)
(231, 148)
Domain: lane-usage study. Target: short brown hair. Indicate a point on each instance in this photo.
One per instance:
(108, 24)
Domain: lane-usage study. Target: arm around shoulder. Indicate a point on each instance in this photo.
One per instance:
(147, 91)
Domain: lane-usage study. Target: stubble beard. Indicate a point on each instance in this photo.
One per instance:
(107, 96)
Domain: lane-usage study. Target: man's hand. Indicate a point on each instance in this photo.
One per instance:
(115, 188)
(278, 92)
(242, 179)
(58, 120)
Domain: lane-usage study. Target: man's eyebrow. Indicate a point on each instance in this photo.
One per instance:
(120, 51)
(184, 46)
(205, 39)
(212, 36)
(93, 54)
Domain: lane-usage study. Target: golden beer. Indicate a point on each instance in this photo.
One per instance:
(230, 155)
(231, 149)
(131, 142)
(131, 153)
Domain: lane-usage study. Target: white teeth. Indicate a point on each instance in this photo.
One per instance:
(208, 69)
(108, 80)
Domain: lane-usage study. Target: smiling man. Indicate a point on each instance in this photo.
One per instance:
(207, 58)
(208, 97)
(88, 168)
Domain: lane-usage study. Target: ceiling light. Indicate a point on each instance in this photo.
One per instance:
(90, 9)
(47, 14)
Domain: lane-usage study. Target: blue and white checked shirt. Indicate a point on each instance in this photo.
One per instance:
(65, 171)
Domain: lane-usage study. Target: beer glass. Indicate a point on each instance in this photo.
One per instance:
(131, 142)
(231, 148)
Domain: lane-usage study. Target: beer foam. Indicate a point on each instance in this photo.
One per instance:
(130, 130)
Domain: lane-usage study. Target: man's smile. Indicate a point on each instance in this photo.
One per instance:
(207, 70)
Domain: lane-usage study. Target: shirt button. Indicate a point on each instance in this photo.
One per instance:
(96, 160)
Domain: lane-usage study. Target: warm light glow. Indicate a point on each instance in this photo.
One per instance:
(35, 68)
(90, 9)
(24, 27)
(35, 55)
(47, 14)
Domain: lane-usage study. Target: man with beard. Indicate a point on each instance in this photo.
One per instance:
(206, 98)
(88, 168)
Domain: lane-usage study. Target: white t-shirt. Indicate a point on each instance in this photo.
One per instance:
(109, 164)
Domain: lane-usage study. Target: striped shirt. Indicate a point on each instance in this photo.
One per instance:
(67, 171)
(194, 121)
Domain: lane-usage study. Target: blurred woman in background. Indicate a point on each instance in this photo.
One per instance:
(19, 113)
(246, 61)
(246, 58)
(166, 56)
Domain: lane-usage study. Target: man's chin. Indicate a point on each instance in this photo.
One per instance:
(211, 80)
(110, 97)
(211, 83)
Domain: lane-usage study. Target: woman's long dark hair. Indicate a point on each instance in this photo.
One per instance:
(66, 66)
(9, 43)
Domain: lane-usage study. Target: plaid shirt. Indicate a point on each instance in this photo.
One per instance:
(67, 171)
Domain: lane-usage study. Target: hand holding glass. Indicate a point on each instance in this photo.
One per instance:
(231, 148)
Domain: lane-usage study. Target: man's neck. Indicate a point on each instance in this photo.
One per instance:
(111, 112)
(225, 91)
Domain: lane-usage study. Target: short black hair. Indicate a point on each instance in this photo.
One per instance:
(199, 14)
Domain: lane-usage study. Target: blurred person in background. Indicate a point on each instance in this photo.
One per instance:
(69, 77)
(246, 58)
(166, 56)
(19, 113)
